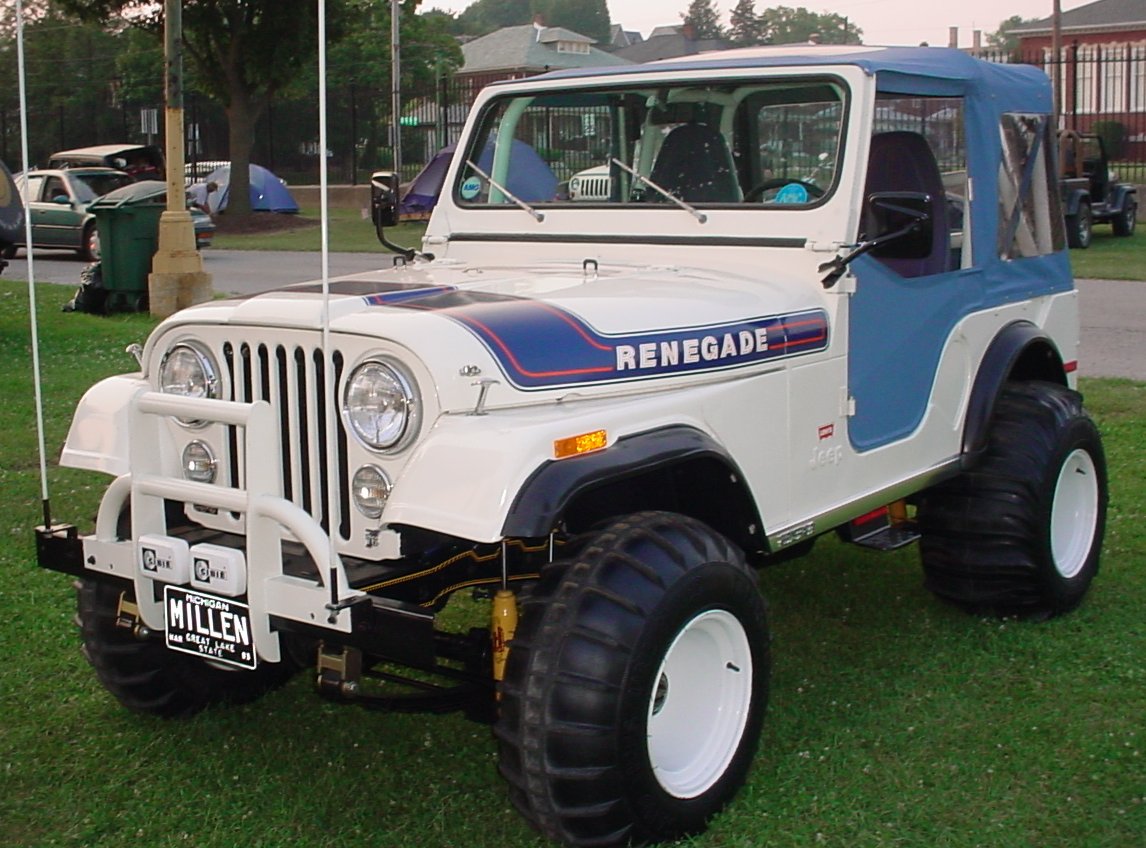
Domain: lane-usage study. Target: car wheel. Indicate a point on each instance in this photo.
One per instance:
(1124, 222)
(145, 676)
(636, 685)
(8, 251)
(89, 250)
(1080, 227)
(1021, 532)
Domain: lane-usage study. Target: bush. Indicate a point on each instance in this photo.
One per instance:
(1113, 135)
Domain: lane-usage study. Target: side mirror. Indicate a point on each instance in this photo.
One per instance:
(901, 223)
(384, 199)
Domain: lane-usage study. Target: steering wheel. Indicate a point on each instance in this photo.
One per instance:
(757, 192)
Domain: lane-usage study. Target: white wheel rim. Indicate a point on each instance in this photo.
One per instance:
(1074, 513)
(699, 704)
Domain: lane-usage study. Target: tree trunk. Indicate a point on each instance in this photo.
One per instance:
(242, 115)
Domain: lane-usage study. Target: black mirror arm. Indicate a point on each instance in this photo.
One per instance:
(407, 253)
(837, 265)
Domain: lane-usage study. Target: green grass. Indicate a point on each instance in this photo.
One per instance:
(1110, 257)
(349, 232)
(894, 720)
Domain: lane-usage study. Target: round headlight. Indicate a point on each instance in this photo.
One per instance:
(378, 405)
(199, 464)
(371, 490)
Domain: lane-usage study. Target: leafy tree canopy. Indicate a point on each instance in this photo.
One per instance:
(704, 18)
(785, 25)
(588, 17)
(1002, 37)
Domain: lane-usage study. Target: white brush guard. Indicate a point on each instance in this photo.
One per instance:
(268, 514)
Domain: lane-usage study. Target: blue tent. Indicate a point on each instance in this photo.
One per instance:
(268, 192)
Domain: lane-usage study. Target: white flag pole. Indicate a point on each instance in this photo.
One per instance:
(32, 311)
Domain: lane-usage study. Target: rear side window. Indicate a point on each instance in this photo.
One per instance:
(1030, 212)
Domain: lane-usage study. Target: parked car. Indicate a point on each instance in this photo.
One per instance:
(58, 202)
(140, 161)
(1091, 192)
(11, 213)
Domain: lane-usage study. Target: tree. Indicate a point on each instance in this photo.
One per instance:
(785, 25)
(745, 26)
(485, 16)
(242, 53)
(587, 17)
(704, 19)
(1002, 38)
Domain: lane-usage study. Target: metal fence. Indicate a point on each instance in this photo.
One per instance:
(1103, 90)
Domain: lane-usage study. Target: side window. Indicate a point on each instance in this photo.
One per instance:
(938, 125)
(54, 188)
(1030, 211)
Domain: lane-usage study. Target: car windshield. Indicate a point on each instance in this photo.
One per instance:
(767, 143)
(90, 186)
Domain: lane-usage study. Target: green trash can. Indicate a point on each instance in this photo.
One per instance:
(127, 221)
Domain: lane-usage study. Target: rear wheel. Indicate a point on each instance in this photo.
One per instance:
(636, 685)
(145, 676)
(1021, 533)
(1123, 223)
(1080, 227)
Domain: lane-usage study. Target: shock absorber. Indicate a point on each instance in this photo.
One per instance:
(503, 620)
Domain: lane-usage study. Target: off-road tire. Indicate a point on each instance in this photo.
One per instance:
(146, 677)
(1080, 227)
(624, 659)
(1021, 533)
(1123, 223)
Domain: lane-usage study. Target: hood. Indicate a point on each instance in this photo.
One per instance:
(554, 326)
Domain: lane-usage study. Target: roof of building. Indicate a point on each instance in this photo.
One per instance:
(1099, 15)
(669, 42)
(532, 48)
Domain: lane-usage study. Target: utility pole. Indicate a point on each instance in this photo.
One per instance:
(177, 277)
(396, 86)
(1058, 66)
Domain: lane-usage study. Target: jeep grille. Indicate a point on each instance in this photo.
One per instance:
(291, 378)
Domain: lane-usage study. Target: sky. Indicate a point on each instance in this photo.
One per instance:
(882, 21)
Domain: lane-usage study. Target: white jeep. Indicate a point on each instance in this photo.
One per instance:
(833, 296)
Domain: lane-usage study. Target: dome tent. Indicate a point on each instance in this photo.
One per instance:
(268, 192)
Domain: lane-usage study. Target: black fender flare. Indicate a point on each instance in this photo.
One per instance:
(554, 485)
(1124, 194)
(1074, 199)
(1021, 351)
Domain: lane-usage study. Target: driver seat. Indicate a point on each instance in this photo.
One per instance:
(903, 161)
(694, 164)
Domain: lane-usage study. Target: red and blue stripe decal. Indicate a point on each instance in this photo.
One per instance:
(542, 346)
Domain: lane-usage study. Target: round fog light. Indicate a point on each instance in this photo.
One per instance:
(371, 490)
(199, 465)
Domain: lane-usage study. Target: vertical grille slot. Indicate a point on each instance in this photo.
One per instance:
(292, 380)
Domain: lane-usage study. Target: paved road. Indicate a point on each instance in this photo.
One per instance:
(1113, 312)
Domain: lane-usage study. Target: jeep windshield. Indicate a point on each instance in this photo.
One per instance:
(765, 143)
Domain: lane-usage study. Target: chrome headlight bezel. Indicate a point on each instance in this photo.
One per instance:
(389, 378)
(205, 384)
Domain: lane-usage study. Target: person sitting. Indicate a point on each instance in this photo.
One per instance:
(198, 195)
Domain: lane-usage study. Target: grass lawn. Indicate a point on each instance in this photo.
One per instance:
(1110, 257)
(349, 232)
(895, 720)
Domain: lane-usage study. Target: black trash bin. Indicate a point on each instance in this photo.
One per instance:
(127, 221)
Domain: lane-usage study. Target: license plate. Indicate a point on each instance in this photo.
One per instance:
(209, 627)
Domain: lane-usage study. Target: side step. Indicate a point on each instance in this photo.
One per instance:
(883, 529)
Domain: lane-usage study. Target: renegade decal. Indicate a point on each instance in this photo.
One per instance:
(542, 346)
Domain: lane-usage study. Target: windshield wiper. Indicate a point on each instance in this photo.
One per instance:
(689, 208)
(537, 216)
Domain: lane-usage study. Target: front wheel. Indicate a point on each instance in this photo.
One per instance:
(89, 244)
(145, 676)
(636, 685)
(1022, 531)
